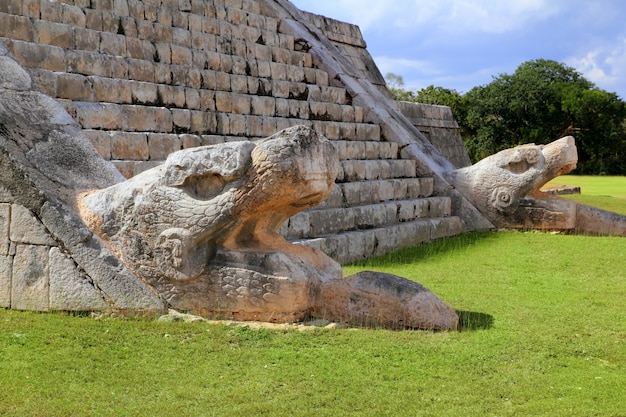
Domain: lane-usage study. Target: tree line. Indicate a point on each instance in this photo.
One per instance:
(541, 101)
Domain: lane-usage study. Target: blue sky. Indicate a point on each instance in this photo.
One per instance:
(461, 44)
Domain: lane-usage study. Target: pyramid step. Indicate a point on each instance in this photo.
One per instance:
(361, 170)
(361, 244)
(336, 220)
(358, 193)
(359, 149)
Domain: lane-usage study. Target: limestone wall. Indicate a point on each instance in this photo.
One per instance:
(144, 78)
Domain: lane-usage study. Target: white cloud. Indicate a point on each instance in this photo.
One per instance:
(604, 66)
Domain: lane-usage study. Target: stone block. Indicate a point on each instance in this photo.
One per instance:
(112, 44)
(148, 119)
(93, 19)
(438, 229)
(278, 71)
(426, 187)
(239, 84)
(400, 188)
(13, 7)
(203, 122)
(440, 206)
(6, 267)
(298, 226)
(222, 123)
(163, 53)
(51, 11)
(26, 228)
(282, 107)
(140, 70)
(101, 140)
(126, 168)
(181, 119)
(240, 64)
(110, 90)
(352, 193)
(73, 15)
(160, 145)
(135, 48)
(192, 99)
(367, 217)
(422, 208)
(136, 9)
(110, 22)
(30, 279)
(16, 27)
(87, 63)
(421, 233)
(171, 96)
(71, 290)
(129, 146)
(237, 124)
(331, 221)
(405, 211)
(222, 81)
(263, 106)
(384, 190)
(181, 55)
(121, 8)
(223, 101)
(40, 56)
(99, 116)
(332, 131)
(86, 40)
(74, 87)
(5, 221)
(190, 141)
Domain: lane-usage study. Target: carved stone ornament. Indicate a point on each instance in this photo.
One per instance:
(202, 230)
(506, 188)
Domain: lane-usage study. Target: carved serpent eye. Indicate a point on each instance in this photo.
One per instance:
(502, 199)
(523, 159)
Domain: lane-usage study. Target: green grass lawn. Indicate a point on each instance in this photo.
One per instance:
(604, 192)
(544, 334)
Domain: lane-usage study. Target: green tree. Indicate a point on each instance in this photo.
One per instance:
(442, 97)
(395, 85)
(540, 102)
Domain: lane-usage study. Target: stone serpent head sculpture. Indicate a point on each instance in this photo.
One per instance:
(506, 188)
(202, 231)
(171, 220)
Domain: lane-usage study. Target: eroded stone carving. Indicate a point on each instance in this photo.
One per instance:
(506, 188)
(202, 230)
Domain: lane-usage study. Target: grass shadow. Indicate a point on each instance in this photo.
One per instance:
(471, 320)
(425, 250)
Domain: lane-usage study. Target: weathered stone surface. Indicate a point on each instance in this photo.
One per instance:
(30, 279)
(25, 228)
(5, 221)
(70, 289)
(6, 264)
(378, 299)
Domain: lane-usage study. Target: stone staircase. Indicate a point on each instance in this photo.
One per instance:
(378, 205)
